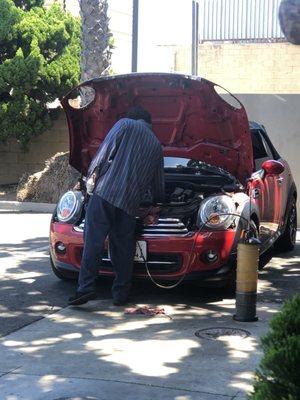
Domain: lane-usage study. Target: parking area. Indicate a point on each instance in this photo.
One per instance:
(51, 351)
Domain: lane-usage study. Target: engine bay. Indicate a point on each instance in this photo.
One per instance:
(183, 198)
(181, 194)
(184, 193)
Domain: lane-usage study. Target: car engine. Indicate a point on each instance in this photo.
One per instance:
(182, 200)
(183, 196)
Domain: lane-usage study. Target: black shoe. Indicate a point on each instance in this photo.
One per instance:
(120, 302)
(81, 298)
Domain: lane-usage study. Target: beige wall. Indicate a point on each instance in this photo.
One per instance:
(14, 162)
(266, 78)
(247, 68)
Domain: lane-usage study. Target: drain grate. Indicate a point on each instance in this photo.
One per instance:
(217, 333)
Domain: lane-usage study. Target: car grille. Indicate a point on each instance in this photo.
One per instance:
(157, 263)
(164, 227)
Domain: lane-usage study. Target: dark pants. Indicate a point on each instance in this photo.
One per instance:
(103, 219)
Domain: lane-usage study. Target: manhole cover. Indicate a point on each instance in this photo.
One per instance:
(217, 333)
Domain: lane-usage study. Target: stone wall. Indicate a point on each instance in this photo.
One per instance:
(247, 67)
(14, 162)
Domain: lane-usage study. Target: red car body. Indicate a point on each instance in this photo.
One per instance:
(193, 122)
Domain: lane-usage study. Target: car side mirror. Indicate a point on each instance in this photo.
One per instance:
(272, 167)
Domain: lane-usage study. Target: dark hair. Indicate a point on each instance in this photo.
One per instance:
(138, 112)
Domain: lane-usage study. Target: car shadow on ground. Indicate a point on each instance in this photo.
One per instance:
(29, 290)
(151, 351)
(98, 341)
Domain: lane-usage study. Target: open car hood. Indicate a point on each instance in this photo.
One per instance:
(189, 118)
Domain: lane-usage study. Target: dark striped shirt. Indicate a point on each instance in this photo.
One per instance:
(130, 162)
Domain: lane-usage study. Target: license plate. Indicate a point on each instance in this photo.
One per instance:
(140, 251)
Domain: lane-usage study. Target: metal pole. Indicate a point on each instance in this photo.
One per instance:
(193, 66)
(135, 29)
(197, 38)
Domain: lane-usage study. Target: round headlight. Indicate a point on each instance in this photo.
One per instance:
(215, 212)
(69, 206)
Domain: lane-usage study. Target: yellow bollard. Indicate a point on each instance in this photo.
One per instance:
(246, 281)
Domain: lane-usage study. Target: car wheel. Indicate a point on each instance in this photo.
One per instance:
(63, 275)
(287, 240)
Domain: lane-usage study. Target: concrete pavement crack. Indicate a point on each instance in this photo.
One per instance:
(9, 372)
(226, 396)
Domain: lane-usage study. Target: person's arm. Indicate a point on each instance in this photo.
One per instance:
(158, 181)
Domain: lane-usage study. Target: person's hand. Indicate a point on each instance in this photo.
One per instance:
(90, 183)
(152, 216)
(150, 220)
(79, 185)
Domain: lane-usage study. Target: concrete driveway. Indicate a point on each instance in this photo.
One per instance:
(96, 351)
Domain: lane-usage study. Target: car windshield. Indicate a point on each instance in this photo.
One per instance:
(188, 165)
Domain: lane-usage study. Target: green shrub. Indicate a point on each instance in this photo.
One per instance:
(278, 376)
(39, 62)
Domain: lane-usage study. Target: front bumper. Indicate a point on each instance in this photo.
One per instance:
(168, 257)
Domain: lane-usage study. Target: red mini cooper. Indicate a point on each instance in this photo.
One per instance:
(223, 178)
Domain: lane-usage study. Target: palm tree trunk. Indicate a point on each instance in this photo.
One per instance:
(95, 39)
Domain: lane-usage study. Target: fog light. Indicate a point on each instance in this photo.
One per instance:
(60, 248)
(210, 256)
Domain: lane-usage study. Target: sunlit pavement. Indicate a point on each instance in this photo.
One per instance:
(98, 352)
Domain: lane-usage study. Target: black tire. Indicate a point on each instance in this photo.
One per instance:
(63, 275)
(287, 240)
